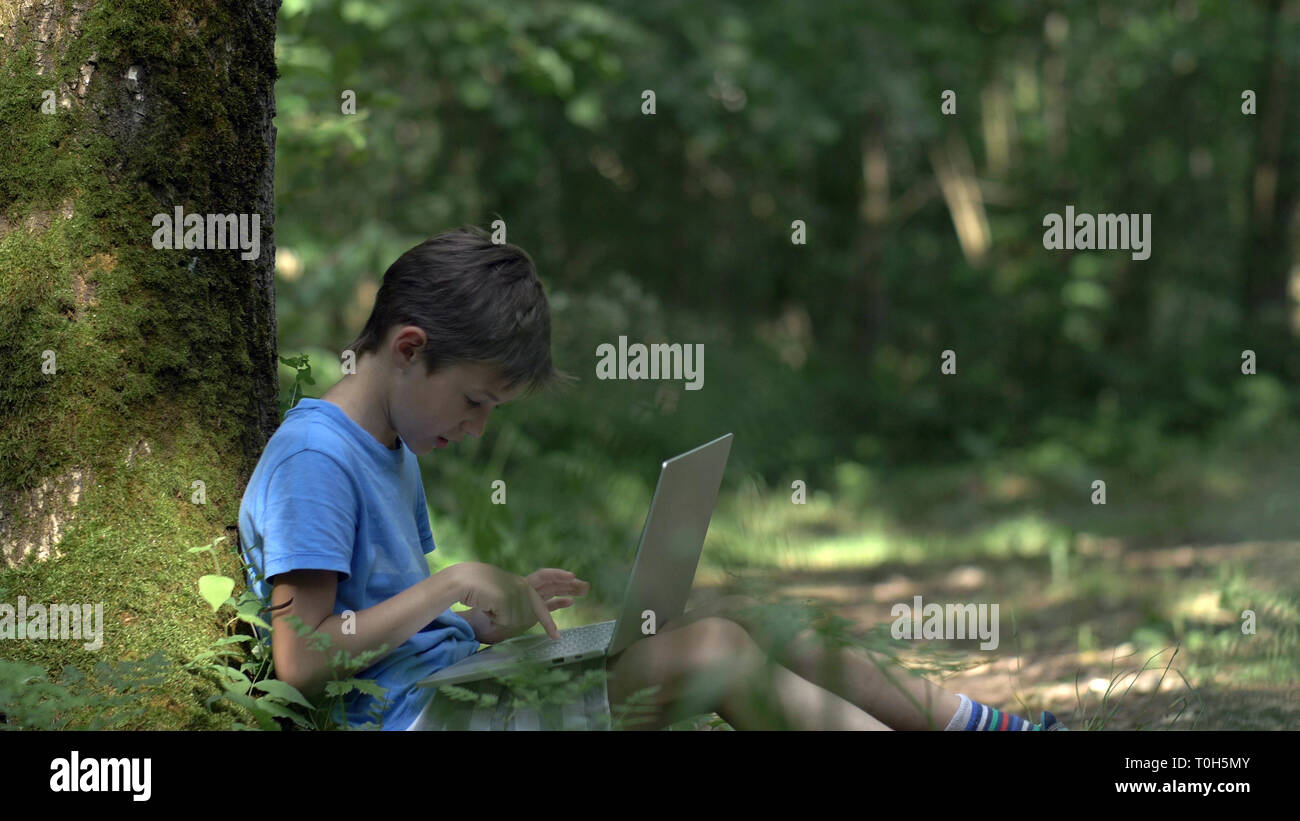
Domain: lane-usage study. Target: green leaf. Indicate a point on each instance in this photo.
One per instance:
(226, 653)
(283, 691)
(246, 616)
(370, 687)
(455, 693)
(262, 715)
(340, 688)
(281, 711)
(216, 589)
(234, 675)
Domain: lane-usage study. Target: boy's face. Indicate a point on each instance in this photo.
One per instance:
(429, 411)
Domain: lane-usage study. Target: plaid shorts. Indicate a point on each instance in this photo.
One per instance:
(498, 706)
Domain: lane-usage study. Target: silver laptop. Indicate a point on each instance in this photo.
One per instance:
(661, 579)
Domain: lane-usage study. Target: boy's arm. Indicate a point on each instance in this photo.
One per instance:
(310, 594)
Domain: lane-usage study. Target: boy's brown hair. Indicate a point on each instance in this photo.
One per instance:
(476, 300)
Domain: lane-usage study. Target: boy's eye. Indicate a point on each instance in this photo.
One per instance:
(472, 403)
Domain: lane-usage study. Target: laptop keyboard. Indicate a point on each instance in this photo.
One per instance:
(571, 642)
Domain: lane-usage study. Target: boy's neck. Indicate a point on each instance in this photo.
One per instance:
(358, 400)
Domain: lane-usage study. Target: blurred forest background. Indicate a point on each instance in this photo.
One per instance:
(924, 234)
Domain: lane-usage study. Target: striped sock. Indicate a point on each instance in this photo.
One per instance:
(972, 715)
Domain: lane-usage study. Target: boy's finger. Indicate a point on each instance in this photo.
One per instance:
(575, 587)
(556, 604)
(549, 587)
(543, 615)
(546, 590)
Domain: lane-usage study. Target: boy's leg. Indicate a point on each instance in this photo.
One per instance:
(712, 665)
(871, 681)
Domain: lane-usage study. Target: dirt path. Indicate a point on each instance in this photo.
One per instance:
(1112, 594)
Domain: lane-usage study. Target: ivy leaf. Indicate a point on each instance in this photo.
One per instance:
(216, 589)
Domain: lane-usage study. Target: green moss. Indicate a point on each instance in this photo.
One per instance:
(127, 548)
(160, 353)
(170, 326)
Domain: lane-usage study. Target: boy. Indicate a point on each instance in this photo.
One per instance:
(337, 526)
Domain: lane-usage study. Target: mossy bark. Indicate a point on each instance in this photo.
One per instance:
(130, 374)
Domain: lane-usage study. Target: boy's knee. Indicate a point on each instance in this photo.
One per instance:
(717, 640)
(695, 667)
(712, 656)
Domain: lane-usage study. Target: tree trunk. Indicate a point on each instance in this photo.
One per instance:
(137, 385)
(1273, 192)
(868, 292)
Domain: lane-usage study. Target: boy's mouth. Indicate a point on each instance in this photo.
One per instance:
(442, 443)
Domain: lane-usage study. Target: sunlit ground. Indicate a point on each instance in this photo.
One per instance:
(1118, 616)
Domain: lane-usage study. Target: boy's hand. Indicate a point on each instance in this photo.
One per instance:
(550, 582)
(510, 602)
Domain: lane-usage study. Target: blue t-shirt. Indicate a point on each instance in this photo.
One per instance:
(327, 495)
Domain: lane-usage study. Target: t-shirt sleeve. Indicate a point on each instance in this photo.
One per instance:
(311, 516)
(422, 522)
